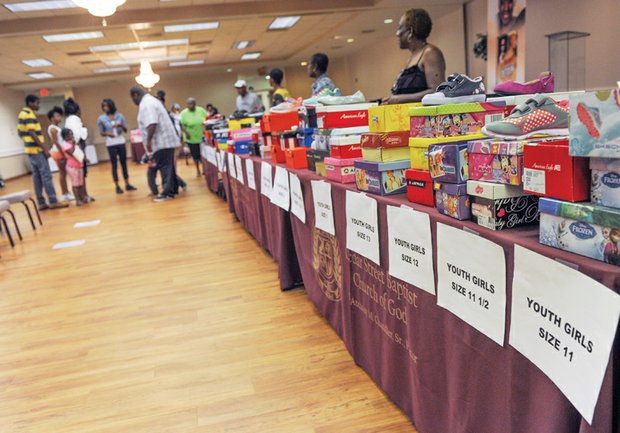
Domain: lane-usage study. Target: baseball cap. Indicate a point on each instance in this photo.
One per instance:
(240, 83)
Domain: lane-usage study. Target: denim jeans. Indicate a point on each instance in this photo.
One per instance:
(118, 153)
(164, 159)
(42, 178)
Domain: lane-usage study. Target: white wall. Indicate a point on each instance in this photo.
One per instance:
(12, 160)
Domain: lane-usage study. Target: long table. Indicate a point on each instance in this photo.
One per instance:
(445, 375)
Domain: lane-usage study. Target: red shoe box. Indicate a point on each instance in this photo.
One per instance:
(296, 158)
(277, 154)
(386, 140)
(420, 187)
(283, 121)
(346, 147)
(342, 116)
(265, 124)
(551, 172)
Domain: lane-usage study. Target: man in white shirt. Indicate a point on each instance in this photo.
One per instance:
(160, 138)
(247, 101)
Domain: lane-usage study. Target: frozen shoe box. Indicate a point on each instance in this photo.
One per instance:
(347, 146)
(420, 187)
(342, 116)
(374, 140)
(551, 172)
(496, 161)
(498, 207)
(605, 186)
(418, 148)
(390, 118)
(448, 162)
(340, 170)
(452, 120)
(451, 199)
(581, 228)
(595, 124)
(381, 178)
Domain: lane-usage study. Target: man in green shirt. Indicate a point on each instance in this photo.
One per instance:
(192, 125)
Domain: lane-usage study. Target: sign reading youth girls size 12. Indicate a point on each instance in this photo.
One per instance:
(363, 226)
(265, 179)
(323, 207)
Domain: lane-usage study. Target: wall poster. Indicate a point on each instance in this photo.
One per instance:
(505, 42)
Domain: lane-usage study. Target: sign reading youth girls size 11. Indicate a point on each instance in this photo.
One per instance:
(565, 325)
(281, 194)
(323, 208)
(265, 179)
(472, 286)
(363, 226)
(249, 171)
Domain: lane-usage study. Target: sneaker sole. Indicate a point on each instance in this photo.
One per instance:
(455, 100)
(553, 132)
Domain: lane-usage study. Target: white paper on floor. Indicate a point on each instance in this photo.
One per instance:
(69, 244)
(87, 224)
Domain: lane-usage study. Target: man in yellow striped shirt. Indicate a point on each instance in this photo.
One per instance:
(29, 129)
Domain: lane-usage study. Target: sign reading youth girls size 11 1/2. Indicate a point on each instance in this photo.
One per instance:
(297, 198)
(472, 280)
(363, 226)
(323, 208)
(565, 323)
(281, 194)
(265, 179)
(249, 171)
(239, 168)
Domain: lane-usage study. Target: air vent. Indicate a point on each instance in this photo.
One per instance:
(90, 62)
(197, 43)
(79, 53)
(198, 52)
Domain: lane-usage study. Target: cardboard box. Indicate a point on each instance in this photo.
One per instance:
(240, 148)
(322, 136)
(420, 187)
(496, 161)
(498, 207)
(550, 171)
(296, 157)
(452, 120)
(448, 162)
(313, 156)
(320, 168)
(581, 228)
(287, 139)
(382, 154)
(418, 148)
(451, 199)
(595, 124)
(283, 121)
(342, 116)
(305, 137)
(346, 147)
(385, 139)
(390, 118)
(265, 152)
(247, 122)
(381, 178)
(241, 135)
(605, 186)
(278, 155)
(340, 170)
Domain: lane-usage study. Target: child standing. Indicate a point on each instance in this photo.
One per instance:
(75, 166)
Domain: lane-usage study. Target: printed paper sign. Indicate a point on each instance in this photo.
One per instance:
(211, 152)
(249, 171)
(297, 198)
(410, 247)
(281, 194)
(363, 226)
(239, 168)
(472, 280)
(323, 208)
(231, 165)
(265, 179)
(564, 322)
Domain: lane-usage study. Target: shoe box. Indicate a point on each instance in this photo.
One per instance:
(343, 116)
(496, 161)
(390, 118)
(382, 178)
(595, 124)
(451, 199)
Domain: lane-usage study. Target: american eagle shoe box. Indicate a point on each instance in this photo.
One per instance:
(373, 140)
(315, 157)
(451, 199)
(342, 116)
(595, 124)
(452, 120)
(346, 147)
(418, 148)
(498, 207)
(420, 187)
(322, 136)
(278, 154)
(340, 170)
(581, 228)
(390, 118)
(383, 178)
(283, 121)
(550, 171)
(296, 157)
(448, 162)
(496, 161)
(605, 186)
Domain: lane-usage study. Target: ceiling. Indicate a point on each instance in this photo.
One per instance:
(324, 25)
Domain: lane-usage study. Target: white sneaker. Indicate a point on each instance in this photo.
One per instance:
(68, 197)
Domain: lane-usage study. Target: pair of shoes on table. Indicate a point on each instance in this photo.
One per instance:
(545, 83)
(458, 88)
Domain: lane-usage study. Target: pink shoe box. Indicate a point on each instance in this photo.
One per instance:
(496, 161)
(453, 120)
(341, 170)
(241, 135)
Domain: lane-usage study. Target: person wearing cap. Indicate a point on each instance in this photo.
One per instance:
(192, 124)
(247, 102)
(280, 94)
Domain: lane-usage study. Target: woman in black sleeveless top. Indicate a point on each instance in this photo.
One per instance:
(426, 68)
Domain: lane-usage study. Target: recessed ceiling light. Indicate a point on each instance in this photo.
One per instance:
(137, 61)
(282, 23)
(64, 37)
(388, 21)
(109, 70)
(229, 70)
(192, 27)
(41, 75)
(187, 63)
(251, 56)
(240, 45)
(40, 5)
(138, 45)
(304, 63)
(350, 40)
(37, 63)
(336, 37)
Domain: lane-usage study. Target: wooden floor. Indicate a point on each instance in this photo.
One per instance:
(167, 320)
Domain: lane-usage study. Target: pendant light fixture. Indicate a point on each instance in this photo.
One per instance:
(147, 77)
(100, 8)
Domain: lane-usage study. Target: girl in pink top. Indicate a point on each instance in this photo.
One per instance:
(75, 166)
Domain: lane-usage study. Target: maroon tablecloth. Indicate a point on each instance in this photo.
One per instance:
(211, 175)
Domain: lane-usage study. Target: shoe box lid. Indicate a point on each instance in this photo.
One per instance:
(493, 191)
